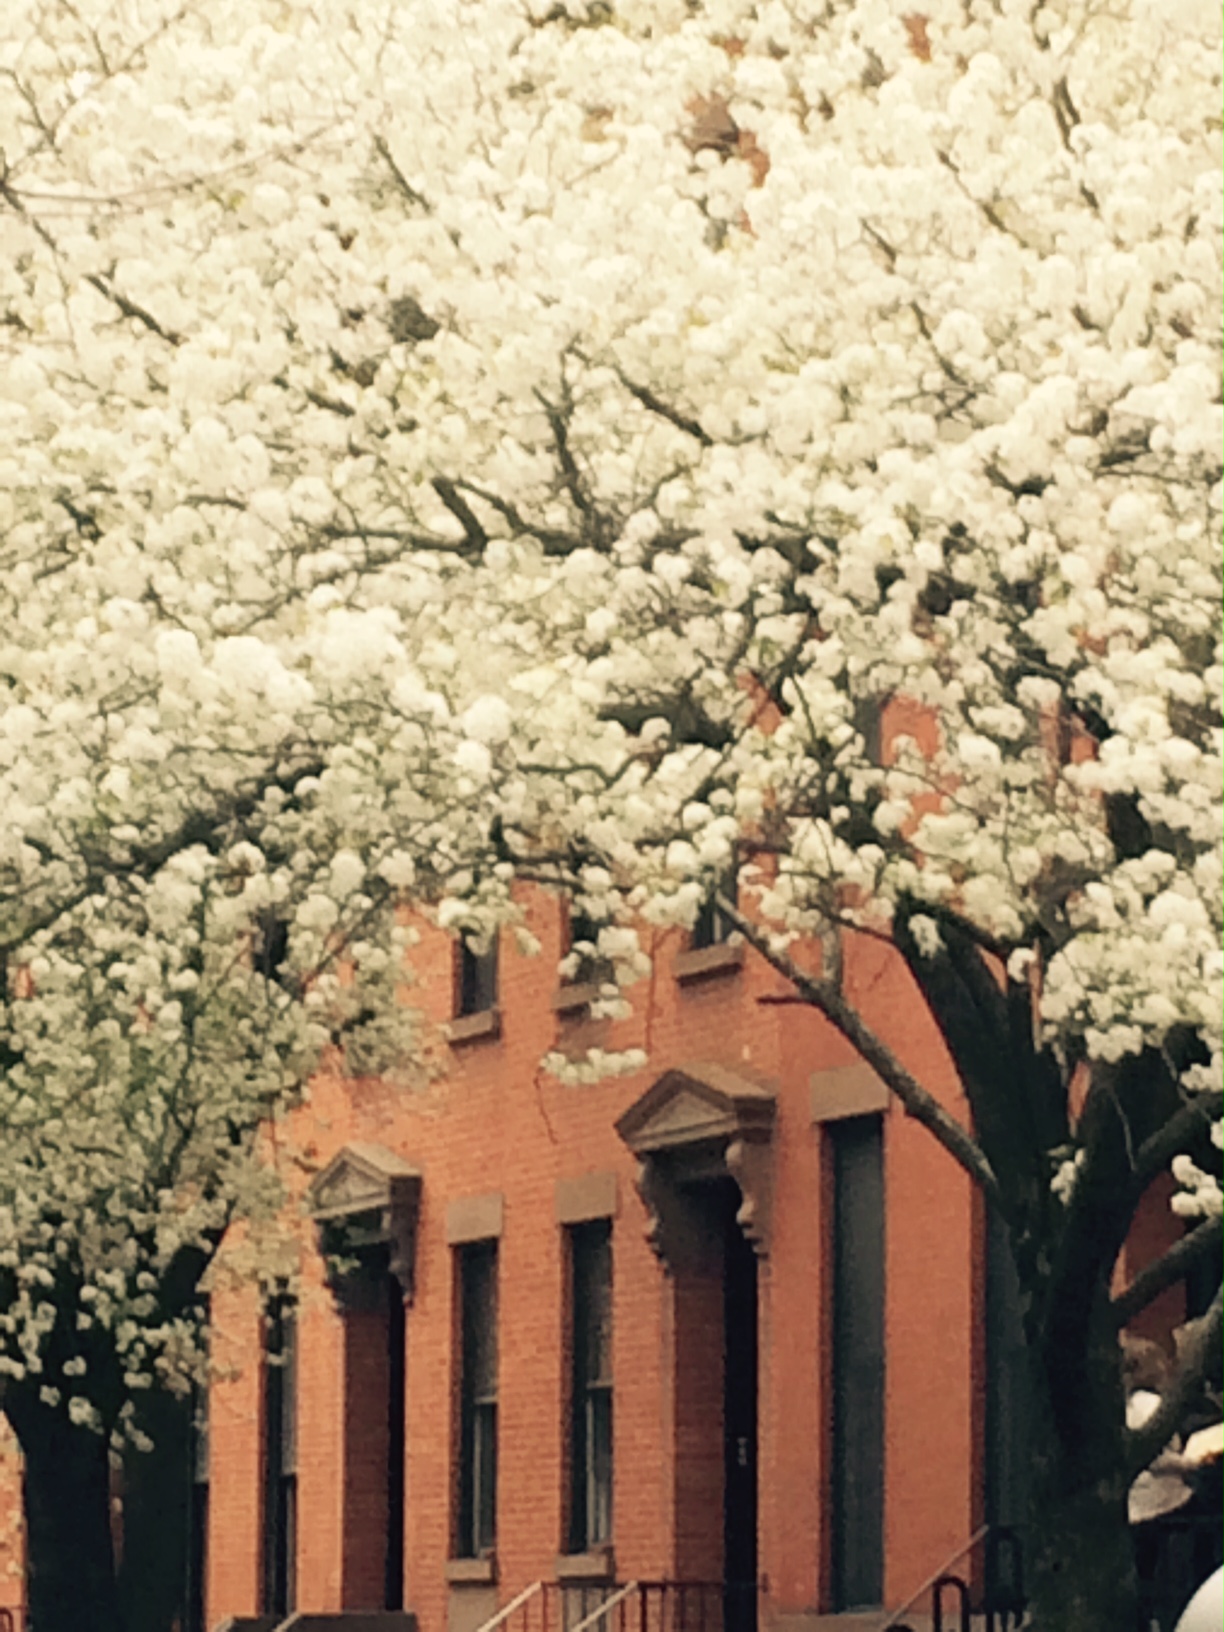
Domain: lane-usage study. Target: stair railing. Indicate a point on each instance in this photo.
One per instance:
(944, 1579)
(515, 1603)
(892, 1620)
(613, 1601)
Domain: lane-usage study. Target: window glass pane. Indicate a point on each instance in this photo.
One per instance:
(480, 1319)
(485, 1477)
(591, 1419)
(593, 1302)
(599, 1466)
(592, 969)
(288, 1366)
(199, 1435)
(280, 1447)
(711, 927)
(477, 979)
(476, 1530)
(858, 1362)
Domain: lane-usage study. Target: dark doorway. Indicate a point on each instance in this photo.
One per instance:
(373, 1493)
(740, 1364)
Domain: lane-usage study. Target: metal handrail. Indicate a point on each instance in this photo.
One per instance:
(895, 1614)
(515, 1603)
(608, 1603)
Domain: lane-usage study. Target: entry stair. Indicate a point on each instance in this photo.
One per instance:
(304, 1620)
(635, 1606)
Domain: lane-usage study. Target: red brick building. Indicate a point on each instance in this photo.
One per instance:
(725, 1320)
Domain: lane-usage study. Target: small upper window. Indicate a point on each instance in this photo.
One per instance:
(712, 927)
(475, 977)
(270, 950)
(583, 938)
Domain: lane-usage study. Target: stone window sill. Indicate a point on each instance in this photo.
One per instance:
(480, 1572)
(700, 962)
(466, 1028)
(598, 1565)
(567, 1000)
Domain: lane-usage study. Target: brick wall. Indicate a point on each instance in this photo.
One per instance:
(492, 1122)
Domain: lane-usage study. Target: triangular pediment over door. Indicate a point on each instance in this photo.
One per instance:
(700, 1121)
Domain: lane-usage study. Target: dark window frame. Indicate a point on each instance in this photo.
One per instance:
(476, 1508)
(280, 1456)
(591, 1428)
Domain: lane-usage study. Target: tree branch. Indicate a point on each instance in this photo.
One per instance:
(673, 416)
(462, 511)
(1155, 1153)
(1201, 1346)
(918, 1102)
(1167, 1270)
(129, 308)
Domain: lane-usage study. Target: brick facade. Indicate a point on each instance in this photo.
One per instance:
(503, 1149)
(490, 1123)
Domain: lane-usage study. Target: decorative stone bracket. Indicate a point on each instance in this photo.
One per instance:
(701, 1122)
(367, 1198)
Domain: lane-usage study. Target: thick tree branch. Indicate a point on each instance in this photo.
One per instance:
(1167, 1270)
(462, 511)
(918, 1102)
(1187, 1124)
(998, 1069)
(1200, 1348)
(948, 918)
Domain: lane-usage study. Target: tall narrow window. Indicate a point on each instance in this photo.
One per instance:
(197, 1512)
(280, 1457)
(858, 1362)
(475, 978)
(591, 1424)
(477, 1526)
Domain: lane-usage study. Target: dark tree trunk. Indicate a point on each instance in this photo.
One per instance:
(71, 1562)
(1080, 1561)
(155, 1517)
(1080, 1568)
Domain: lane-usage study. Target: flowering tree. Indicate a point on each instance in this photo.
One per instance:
(922, 311)
(242, 717)
(458, 439)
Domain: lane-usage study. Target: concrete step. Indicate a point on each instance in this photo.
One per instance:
(349, 1620)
